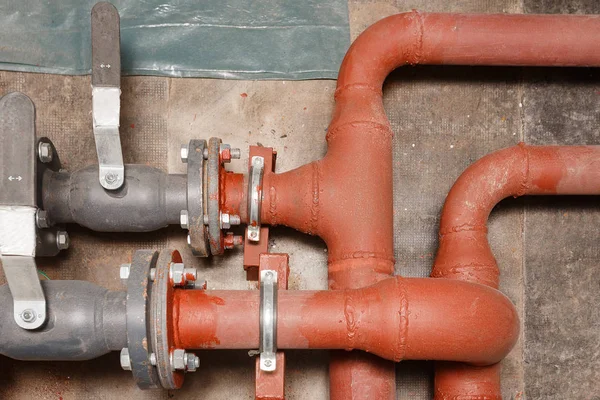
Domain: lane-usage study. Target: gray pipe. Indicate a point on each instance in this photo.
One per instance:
(149, 199)
(85, 321)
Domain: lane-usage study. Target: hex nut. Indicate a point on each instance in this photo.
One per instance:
(28, 315)
(41, 219)
(124, 271)
(225, 222)
(62, 240)
(111, 178)
(183, 219)
(125, 360)
(225, 152)
(184, 153)
(178, 359)
(45, 152)
(177, 274)
(192, 362)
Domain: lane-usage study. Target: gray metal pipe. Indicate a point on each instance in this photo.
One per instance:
(85, 321)
(149, 199)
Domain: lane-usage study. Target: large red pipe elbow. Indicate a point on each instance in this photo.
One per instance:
(396, 319)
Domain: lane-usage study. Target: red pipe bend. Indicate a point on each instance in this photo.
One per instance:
(464, 252)
(396, 319)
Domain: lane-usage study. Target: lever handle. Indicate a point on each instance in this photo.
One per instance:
(106, 94)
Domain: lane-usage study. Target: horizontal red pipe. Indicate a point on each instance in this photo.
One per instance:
(397, 319)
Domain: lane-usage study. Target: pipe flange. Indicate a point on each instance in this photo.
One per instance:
(214, 166)
(139, 290)
(196, 195)
(161, 313)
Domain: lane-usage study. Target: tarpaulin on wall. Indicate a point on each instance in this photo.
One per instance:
(237, 39)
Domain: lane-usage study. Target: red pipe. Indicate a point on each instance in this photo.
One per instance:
(392, 319)
(464, 252)
(346, 198)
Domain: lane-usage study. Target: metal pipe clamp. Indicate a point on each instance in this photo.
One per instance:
(255, 187)
(268, 320)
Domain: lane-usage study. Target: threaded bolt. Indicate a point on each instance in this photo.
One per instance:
(236, 153)
(230, 241)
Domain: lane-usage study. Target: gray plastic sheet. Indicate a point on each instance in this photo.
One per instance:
(263, 39)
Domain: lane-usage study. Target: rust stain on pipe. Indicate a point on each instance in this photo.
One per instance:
(346, 198)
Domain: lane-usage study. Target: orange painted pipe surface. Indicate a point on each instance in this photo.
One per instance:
(346, 198)
(233, 199)
(464, 252)
(396, 319)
